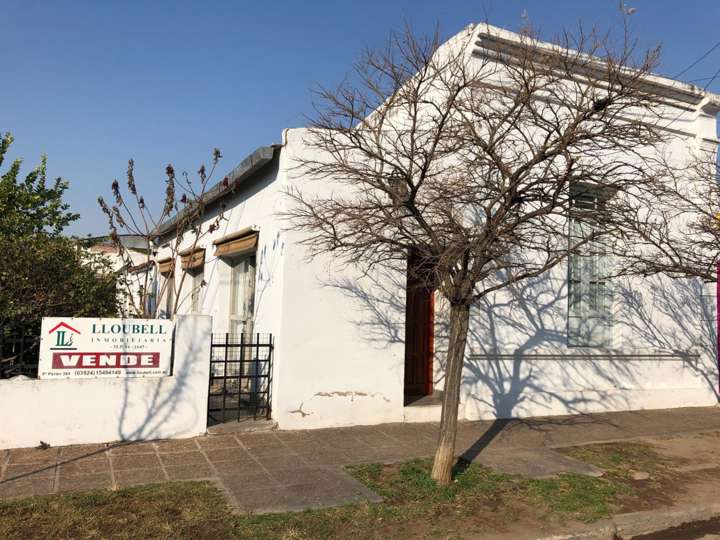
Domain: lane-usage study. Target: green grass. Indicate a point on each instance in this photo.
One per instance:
(577, 497)
(174, 510)
(413, 503)
(619, 460)
(568, 496)
(478, 500)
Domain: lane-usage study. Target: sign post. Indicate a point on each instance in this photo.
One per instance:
(91, 348)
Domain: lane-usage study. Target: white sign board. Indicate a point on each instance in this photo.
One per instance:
(91, 348)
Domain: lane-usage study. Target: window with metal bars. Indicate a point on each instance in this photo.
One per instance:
(590, 295)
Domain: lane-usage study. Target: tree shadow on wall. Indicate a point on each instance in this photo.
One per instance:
(517, 362)
(693, 332)
(167, 398)
(380, 313)
(517, 359)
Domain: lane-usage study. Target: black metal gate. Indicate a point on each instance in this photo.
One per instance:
(240, 377)
(19, 351)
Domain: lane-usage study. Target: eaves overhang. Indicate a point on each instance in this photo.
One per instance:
(230, 183)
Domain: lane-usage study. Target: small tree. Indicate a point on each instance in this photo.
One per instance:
(470, 164)
(44, 273)
(180, 219)
(30, 206)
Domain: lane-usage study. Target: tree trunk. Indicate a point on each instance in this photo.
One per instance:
(445, 454)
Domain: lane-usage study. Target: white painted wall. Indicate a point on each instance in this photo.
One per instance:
(657, 320)
(331, 360)
(80, 411)
(338, 362)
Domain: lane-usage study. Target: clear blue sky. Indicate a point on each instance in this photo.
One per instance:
(92, 84)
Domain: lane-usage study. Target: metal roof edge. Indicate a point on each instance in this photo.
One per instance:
(228, 185)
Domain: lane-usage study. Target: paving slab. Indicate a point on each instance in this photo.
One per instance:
(86, 451)
(217, 442)
(324, 487)
(134, 477)
(535, 463)
(183, 458)
(133, 449)
(177, 445)
(78, 482)
(26, 487)
(33, 455)
(28, 470)
(282, 471)
(193, 472)
(137, 461)
(84, 466)
(228, 454)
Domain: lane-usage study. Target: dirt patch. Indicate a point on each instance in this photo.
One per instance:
(687, 531)
(669, 469)
(690, 452)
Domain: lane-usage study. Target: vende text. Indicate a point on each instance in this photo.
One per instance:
(105, 360)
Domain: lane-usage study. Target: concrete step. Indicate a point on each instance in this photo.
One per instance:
(243, 426)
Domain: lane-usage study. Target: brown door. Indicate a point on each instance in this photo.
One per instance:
(419, 336)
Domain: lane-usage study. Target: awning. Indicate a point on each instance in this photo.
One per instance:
(239, 243)
(140, 267)
(165, 266)
(190, 259)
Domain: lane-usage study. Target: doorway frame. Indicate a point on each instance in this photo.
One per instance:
(426, 337)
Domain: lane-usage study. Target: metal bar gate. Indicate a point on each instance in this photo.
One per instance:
(240, 377)
(19, 351)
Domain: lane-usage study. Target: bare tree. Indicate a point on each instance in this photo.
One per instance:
(181, 217)
(469, 160)
(677, 226)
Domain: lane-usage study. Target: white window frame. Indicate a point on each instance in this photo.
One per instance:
(197, 277)
(242, 315)
(590, 292)
(169, 293)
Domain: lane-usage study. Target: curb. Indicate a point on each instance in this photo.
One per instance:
(636, 523)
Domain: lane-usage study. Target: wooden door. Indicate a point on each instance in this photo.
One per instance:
(419, 337)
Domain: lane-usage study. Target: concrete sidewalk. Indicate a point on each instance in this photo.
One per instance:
(293, 470)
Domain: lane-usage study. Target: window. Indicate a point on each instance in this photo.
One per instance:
(166, 269)
(589, 290)
(196, 275)
(169, 294)
(242, 294)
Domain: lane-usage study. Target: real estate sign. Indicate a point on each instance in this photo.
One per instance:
(89, 348)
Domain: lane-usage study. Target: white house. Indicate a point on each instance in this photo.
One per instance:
(133, 262)
(342, 354)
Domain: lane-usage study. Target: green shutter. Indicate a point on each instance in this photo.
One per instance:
(590, 296)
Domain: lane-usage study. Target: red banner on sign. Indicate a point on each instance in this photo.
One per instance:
(124, 360)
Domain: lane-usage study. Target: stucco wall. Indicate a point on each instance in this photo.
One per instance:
(342, 350)
(79, 411)
(339, 360)
(519, 364)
